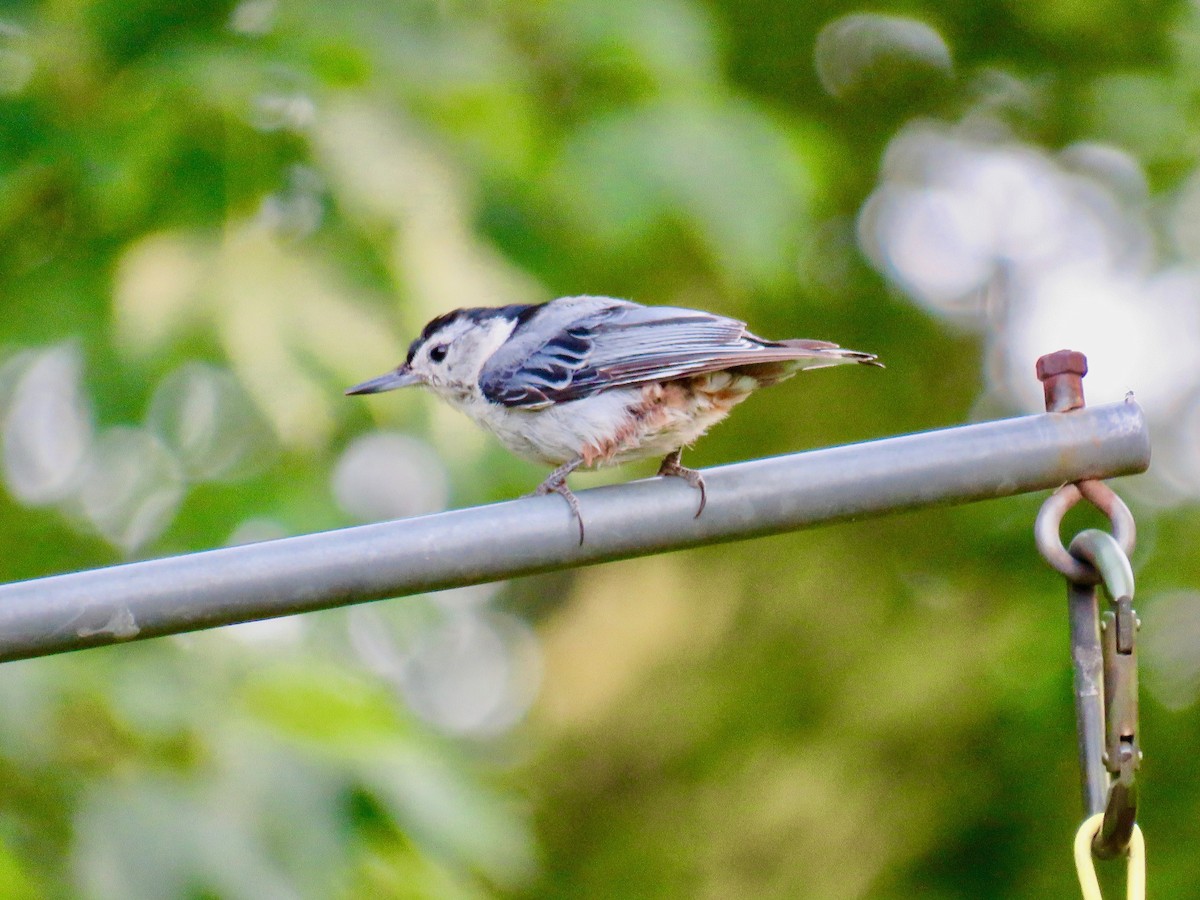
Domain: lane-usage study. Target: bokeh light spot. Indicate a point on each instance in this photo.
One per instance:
(131, 489)
(388, 475)
(47, 427)
(204, 416)
(1169, 646)
(857, 49)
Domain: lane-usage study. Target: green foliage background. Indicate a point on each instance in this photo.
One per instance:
(273, 197)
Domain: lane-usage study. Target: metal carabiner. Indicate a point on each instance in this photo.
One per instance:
(1104, 553)
(1117, 728)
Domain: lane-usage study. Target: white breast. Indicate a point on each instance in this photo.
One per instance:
(557, 433)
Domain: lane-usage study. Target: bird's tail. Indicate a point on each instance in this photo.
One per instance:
(783, 359)
(816, 354)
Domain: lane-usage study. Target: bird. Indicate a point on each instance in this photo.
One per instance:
(587, 381)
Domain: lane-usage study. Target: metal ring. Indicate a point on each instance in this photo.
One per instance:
(1050, 516)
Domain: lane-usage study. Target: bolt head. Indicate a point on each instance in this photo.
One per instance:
(1061, 362)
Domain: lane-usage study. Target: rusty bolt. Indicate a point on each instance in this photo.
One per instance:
(1061, 374)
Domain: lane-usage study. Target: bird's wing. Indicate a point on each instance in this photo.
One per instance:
(567, 354)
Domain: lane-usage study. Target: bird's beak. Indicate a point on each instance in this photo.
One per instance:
(398, 378)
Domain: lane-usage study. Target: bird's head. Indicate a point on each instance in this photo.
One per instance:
(450, 352)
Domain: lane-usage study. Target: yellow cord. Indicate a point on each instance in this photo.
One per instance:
(1135, 874)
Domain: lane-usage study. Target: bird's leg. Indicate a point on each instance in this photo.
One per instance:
(672, 466)
(556, 483)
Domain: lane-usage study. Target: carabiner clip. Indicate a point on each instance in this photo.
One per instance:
(1118, 646)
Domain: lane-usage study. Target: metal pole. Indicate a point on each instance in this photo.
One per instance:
(519, 537)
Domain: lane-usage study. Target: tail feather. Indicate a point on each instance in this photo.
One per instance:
(825, 353)
(785, 358)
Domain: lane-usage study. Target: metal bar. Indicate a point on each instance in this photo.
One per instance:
(537, 534)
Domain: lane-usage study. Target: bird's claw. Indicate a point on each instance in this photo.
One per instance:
(673, 467)
(556, 483)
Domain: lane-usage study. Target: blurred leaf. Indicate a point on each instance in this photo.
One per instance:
(432, 800)
(725, 172)
(14, 881)
(324, 704)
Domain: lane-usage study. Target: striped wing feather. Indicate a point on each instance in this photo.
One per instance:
(623, 345)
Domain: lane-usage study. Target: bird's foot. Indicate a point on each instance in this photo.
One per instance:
(672, 466)
(556, 483)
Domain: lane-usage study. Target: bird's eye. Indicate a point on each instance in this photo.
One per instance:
(438, 353)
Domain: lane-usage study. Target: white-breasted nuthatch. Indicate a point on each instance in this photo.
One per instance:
(587, 381)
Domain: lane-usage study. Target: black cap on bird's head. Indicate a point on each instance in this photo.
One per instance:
(438, 335)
